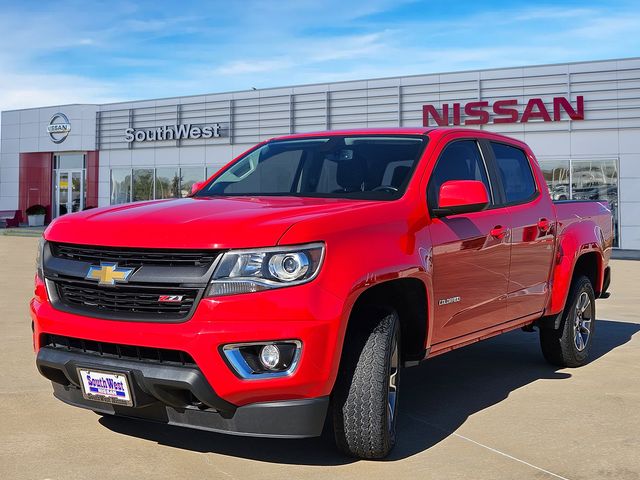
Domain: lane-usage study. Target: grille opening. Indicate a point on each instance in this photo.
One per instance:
(134, 257)
(128, 301)
(121, 351)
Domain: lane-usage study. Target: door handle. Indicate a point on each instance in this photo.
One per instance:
(498, 231)
(544, 225)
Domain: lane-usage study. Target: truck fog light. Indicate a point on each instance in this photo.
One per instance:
(263, 360)
(270, 356)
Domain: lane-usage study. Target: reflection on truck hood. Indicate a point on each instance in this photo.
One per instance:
(232, 222)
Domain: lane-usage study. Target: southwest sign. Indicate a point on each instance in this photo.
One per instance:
(172, 132)
(504, 111)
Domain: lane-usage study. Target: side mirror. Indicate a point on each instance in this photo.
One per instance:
(461, 196)
(196, 186)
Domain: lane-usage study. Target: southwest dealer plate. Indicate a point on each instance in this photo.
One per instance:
(107, 387)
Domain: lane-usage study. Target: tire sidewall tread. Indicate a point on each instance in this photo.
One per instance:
(558, 345)
(359, 404)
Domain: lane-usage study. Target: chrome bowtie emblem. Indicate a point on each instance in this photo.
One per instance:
(108, 273)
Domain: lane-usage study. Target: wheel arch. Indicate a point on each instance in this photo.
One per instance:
(408, 297)
(572, 261)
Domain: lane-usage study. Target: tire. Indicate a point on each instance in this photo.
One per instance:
(569, 345)
(365, 398)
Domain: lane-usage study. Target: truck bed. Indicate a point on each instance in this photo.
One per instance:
(587, 214)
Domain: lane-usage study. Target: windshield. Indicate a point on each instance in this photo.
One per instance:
(359, 167)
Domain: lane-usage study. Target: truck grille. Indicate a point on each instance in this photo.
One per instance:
(116, 350)
(127, 301)
(134, 257)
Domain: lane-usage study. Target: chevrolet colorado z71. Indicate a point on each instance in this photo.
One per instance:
(293, 285)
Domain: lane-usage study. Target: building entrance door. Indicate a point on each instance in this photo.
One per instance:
(69, 192)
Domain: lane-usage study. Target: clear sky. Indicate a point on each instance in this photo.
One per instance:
(55, 52)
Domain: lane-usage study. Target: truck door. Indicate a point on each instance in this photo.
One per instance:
(532, 218)
(470, 251)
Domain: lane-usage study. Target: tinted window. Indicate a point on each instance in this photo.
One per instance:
(120, 185)
(167, 182)
(142, 184)
(515, 172)
(273, 174)
(460, 160)
(371, 167)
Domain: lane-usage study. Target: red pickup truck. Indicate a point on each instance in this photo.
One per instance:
(294, 285)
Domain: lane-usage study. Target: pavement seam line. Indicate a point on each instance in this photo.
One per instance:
(490, 448)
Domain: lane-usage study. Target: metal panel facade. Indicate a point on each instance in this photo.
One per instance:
(610, 129)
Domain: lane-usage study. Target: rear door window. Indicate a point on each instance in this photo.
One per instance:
(515, 173)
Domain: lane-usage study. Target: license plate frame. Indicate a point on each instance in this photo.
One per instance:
(103, 391)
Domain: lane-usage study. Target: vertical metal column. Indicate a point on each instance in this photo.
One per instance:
(569, 129)
(130, 144)
(178, 122)
(231, 125)
(399, 105)
(292, 114)
(479, 95)
(98, 130)
(327, 111)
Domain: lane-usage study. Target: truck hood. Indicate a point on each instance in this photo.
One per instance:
(199, 223)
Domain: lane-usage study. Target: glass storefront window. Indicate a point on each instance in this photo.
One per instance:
(597, 180)
(167, 182)
(120, 185)
(584, 180)
(142, 184)
(69, 161)
(556, 173)
(189, 176)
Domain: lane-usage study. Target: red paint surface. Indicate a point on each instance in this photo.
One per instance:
(35, 182)
(462, 192)
(504, 268)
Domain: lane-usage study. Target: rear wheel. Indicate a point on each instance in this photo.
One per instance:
(365, 399)
(569, 345)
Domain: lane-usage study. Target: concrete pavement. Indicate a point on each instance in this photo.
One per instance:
(493, 410)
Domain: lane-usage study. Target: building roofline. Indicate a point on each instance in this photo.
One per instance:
(302, 85)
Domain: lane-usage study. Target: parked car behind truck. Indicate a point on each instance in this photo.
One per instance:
(296, 283)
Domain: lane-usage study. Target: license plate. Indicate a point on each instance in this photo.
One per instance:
(107, 387)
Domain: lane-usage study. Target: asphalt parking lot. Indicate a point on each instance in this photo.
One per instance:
(493, 410)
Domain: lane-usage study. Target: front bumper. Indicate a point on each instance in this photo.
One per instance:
(307, 313)
(181, 396)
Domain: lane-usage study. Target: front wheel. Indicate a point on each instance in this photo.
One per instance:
(365, 399)
(569, 345)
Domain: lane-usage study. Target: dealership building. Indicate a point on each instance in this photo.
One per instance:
(581, 119)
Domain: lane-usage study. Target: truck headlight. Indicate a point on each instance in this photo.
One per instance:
(245, 271)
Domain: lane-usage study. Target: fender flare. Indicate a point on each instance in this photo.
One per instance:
(568, 252)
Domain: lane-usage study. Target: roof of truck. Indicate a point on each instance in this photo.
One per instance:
(439, 131)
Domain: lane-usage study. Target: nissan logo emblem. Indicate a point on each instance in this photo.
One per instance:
(59, 128)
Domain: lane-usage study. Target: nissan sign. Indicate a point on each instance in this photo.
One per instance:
(59, 128)
(172, 132)
(504, 111)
